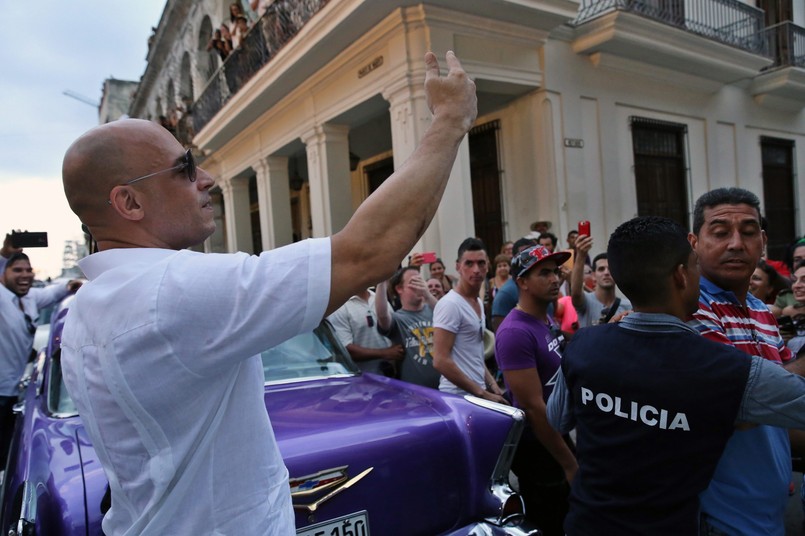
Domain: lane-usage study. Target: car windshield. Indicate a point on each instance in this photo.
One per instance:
(316, 354)
(310, 355)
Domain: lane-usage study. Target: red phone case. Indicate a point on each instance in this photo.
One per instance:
(584, 228)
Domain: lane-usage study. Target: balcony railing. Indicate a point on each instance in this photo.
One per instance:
(281, 22)
(728, 21)
(786, 44)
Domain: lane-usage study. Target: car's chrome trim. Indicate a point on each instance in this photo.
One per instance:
(28, 508)
(515, 413)
(64, 415)
(499, 481)
(504, 463)
(311, 508)
(503, 493)
(310, 484)
(516, 527)
(310, 379)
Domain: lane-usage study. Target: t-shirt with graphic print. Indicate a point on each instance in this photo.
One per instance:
(523, 342)
(414, 331)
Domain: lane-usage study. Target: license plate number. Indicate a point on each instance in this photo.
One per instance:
(356, 524)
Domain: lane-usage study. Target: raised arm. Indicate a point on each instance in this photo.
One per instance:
(6, 251)
(381, 233)
(382, 309)
(583, 245)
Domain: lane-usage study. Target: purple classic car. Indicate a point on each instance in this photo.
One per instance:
(366, 454)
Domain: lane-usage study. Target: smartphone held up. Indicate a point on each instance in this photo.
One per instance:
(429, 257)
(25, 239)
(584, 227)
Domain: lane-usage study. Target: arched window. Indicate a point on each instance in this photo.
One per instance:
(186, 80)
(206, 60)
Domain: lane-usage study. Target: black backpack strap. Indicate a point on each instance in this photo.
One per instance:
(611, 312)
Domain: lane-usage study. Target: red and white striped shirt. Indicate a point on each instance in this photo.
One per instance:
(752, 329)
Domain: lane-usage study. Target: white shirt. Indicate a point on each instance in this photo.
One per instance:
(352, 322)
(160, 353)
(16, 340)
(454, 314)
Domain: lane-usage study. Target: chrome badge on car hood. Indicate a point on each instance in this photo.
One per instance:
(321, 481)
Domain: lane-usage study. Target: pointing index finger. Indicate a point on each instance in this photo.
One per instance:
(431, 66)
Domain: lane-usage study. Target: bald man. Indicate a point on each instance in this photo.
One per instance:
(161, 347)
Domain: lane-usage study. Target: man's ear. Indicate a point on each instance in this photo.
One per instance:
(693, 240)
(125, 201)
(680, 277)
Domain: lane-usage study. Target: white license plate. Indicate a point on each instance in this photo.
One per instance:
(356, 524)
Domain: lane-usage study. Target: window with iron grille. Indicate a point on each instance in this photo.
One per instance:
(660, 169)
(777, 159)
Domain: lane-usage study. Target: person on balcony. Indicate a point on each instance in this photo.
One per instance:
(219, 44)
(240, 31)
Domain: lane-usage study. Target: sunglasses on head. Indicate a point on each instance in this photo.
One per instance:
(186, 164)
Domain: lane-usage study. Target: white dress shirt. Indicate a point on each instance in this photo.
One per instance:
(160, 352)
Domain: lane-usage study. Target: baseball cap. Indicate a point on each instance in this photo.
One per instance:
(528, 258)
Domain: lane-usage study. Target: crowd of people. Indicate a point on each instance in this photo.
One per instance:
(714, 283)
(229, 35)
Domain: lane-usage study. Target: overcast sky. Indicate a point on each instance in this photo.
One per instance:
(52, 47)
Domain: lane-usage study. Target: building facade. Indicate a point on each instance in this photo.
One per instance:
(595, 110)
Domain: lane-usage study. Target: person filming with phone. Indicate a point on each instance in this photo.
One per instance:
(603, 304)
(19, 310)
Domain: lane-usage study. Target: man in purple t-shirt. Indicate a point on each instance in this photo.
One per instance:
(528, 351)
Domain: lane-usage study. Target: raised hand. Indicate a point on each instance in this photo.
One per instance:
(450, 97)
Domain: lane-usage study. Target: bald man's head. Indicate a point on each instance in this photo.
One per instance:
(109, 155)
(97, 167)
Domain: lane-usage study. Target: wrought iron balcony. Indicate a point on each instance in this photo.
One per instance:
(281, 22)
(786, 43)
(728, 21)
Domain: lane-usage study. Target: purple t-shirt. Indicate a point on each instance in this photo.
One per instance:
(522, 342)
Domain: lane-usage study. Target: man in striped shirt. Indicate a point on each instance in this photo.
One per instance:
(749, 490)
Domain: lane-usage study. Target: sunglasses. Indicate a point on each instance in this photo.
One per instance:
(186, 164)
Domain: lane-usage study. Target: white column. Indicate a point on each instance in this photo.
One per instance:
(274, 199)
(455, 218)
(237, 214)
(453, 222)
(329, 177)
